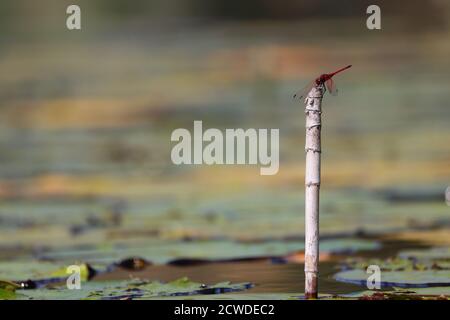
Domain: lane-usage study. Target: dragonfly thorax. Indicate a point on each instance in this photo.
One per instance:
(323, 78)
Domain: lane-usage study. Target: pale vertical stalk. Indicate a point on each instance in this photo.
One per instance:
(313, 112)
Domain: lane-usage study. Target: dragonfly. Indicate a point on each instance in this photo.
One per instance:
(325, 79)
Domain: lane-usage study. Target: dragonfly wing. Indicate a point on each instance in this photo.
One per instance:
(331, 87)
(302, 93)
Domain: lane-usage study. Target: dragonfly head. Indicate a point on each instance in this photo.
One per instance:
(322, 78)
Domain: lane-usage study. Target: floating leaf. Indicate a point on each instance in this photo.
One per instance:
(432, 293)
(37, 274)
(86, 272)
(438, 253)
(398, 278)
(392, 264)
(8, 290)
(241, 296)
(162, 252)
(7, 294)
(22, 270)
(61, 292)
(134, 289)
(8, 285)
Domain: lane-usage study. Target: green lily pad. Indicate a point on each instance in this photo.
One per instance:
(403, 279)
(240, 296)
(134, 289)
(61, 292)
(162, 252)
(85, 272)
(8, 290)
(401, 294)
(61, 222)
(23, 270)
(438, 253)
(8, 285)
(433, 291)
(7, 294)
(397, 264)
(37, 274)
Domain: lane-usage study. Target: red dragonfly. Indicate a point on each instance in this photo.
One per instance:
(324, 79)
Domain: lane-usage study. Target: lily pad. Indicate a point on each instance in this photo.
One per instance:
(22, 270)
(241, 296)
(134, 289)
(8, 285)
(437, 253)
(161, 252)
(397, 264)
(86, 272)
(7, 294)
(38, 274)
(402, 279)
(402, 294)
(7, 290)
(433, 291)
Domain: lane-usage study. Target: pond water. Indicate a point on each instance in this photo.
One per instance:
(86, 174)
(267, 276)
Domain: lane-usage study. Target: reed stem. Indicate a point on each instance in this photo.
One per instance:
(313, 111)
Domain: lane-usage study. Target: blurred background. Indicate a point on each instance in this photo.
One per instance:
(86, 118)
